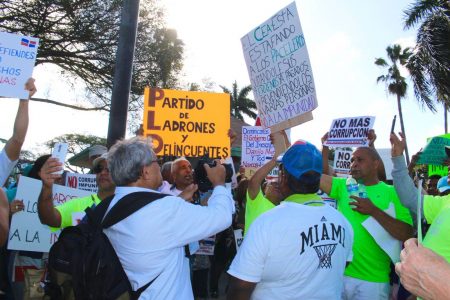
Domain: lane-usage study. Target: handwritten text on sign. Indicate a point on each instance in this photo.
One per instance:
(17, 59)
(191, 124)
(434, 152)
(350, 132)
(27, 232)
(279, 68)
(256, 148)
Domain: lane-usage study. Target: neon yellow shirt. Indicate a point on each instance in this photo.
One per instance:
(437, 213)
(74, 206)
(255, 207)
(370, 262)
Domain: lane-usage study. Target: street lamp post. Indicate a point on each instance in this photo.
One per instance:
(122, 72)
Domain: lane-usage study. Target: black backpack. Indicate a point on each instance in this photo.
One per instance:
(83, 264)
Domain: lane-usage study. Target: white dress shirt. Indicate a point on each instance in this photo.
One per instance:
(150, 242)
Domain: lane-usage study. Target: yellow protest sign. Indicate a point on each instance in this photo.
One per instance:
(183, 123)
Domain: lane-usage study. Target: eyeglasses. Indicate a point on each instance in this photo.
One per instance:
(98, 169)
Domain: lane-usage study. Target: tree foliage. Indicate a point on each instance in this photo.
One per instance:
(81, 37)
(395, 82)
(429, 65)
(240, 103)
(76, 144)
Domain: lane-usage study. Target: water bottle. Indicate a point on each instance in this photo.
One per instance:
(352, 186)
(362, 191)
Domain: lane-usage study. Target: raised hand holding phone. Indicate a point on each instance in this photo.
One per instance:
(393, 123)
(60, 152)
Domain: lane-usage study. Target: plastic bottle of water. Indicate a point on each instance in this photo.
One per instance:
(352, 186)
(362, 193)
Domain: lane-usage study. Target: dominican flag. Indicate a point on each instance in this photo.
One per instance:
(28, 43)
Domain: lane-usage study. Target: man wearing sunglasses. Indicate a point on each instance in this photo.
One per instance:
(61, 216)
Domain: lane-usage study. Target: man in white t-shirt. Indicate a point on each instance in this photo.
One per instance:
(299, 249)
(150, 242)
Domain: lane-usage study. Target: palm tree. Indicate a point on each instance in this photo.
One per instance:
(395, 82)
(240, 103)
(429, 65)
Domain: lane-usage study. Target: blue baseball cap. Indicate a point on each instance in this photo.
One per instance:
(442, 184)
(302, 157)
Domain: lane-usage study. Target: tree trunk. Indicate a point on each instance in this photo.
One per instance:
(402, 125)
(445, 118)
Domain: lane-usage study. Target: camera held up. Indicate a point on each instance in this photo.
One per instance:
(201, 178)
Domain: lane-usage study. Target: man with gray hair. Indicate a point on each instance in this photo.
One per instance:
(150, 242)
(166, 172)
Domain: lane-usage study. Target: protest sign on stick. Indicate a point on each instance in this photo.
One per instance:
(280, 71)
(17, 59)
(184, 123)
(342, 161)
(26, 231)
(206, 246)
(434, 152)
(350, 132)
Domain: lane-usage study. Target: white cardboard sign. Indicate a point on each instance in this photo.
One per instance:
(27, 232)
(17, 58)
(342, 161)
(87, 182)
(206, 246)
(350, 132)
(280, 71)
(257, 148)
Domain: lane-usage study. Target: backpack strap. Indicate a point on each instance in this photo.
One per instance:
(128, 205)
(121, 210)
(95, 213)
(136, 294)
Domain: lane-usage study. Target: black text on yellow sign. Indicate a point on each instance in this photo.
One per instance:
(183, 123)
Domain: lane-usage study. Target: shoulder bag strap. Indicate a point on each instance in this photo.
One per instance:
(128, 205)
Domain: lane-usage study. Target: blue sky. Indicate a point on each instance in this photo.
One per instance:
(343, 39)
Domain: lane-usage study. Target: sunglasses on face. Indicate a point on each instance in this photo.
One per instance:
(98, 169)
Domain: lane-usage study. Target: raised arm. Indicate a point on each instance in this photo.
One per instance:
(280, 142)
(325, 153)
(403, 184)
(47, 213)
(325, 183)
(254, 183)
(4, 217)
(14, 144)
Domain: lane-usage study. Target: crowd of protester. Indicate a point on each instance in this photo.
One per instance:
(296, 245)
